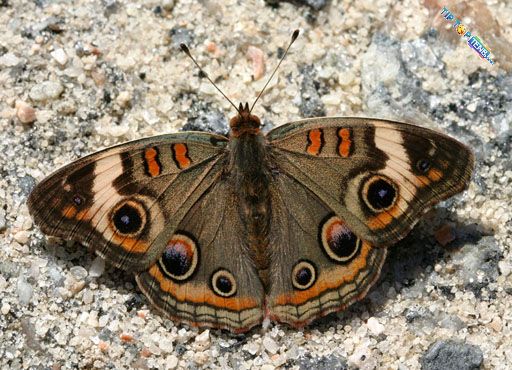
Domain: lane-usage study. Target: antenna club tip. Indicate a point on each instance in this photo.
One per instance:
(295, 35)
(184, 48)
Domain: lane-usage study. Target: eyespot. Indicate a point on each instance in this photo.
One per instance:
(379, 193)
(128, 217)
(303, 275)
(423, 165)
(180, 258)
(223, 283)
(338, 241)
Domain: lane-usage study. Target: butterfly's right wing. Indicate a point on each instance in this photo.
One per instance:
(125, 202)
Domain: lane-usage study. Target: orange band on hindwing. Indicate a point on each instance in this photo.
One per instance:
(334, 279)
(152, 163)
(198, 294)
(345, 148)
(180, 155)
(315, 141)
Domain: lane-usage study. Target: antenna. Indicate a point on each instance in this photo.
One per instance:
(294, 37)
(185, 49)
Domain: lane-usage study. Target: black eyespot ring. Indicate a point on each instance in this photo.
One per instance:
(423, 165)
(223, 283)
(180, 258)
(379, 193)
(339, 243)
(303, 275)
(128, 217)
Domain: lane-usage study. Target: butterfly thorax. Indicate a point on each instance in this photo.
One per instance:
(250, 175)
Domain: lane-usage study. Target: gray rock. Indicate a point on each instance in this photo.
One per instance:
(418, 318)
(314, 4)
(482, 256)
(202, 117)
(26, 184)
(311, 105)
(180, 35)
(329, 362)
(451, 355)
(391, 77)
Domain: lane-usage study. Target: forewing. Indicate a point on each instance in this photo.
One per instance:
(378, 176)
(126, 201)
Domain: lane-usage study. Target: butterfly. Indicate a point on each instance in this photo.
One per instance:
(227, 232)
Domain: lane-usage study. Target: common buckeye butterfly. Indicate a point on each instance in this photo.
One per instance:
(228, 231)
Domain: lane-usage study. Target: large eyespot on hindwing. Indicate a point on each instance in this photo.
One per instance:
(379, 193)
(223, 283)
(128, 218)
(337, 241)
(180, 258)
(303, 275)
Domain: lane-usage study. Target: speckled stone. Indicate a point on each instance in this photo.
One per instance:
(451, 355)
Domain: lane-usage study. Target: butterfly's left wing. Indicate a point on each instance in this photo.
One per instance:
(318, 265)
(378, 176)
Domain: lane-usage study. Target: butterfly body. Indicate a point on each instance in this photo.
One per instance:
(250, 175)
(226, 232)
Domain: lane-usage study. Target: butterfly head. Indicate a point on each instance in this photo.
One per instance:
(244, 123)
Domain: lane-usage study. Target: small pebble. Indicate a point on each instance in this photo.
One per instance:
(25, 112)
(505, 268)
(9, 60)
(48, 90)
(25, 291)
(78, 272)
(6, 307)
(471, 107)
(125, 337)
(171, 362)
(103, 346)
(258, 61)
(252, 348)
(201, 358)
(124, 99)
(88, 296)
(270, 345)
(375, 327)
(496, 324)
(60, 56)
(97, 267)
(22, 237)
(203, 340)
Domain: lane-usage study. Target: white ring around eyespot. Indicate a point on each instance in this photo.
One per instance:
(299, 266)
(230, 277)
